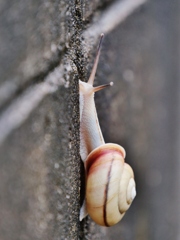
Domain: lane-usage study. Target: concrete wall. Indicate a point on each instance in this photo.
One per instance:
(45, 48)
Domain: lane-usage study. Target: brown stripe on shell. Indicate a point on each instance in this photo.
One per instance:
(106, 195)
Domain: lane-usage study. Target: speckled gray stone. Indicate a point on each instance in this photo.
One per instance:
(45, 48)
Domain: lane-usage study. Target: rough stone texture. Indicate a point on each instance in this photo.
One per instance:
(33, 38)
(44, 51)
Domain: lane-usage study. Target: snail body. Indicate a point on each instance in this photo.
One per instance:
(110, 185)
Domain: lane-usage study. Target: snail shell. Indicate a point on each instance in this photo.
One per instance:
(110, 185)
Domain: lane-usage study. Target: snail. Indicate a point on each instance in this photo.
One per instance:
(110, 185)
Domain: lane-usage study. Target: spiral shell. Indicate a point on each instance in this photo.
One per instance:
(110, 185)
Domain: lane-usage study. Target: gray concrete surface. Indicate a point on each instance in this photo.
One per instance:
(45, 48)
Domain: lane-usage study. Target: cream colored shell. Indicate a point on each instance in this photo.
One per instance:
(110, 186)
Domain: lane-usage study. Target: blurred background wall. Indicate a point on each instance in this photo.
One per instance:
(45, 48)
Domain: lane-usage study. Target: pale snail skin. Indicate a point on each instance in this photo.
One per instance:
(110, 185)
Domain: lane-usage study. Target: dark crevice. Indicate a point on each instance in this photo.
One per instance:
(76, 56)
